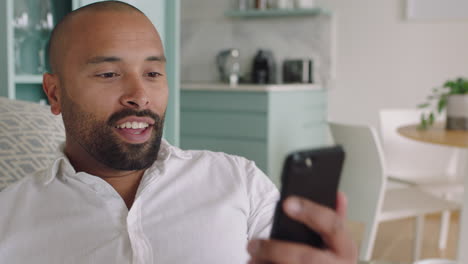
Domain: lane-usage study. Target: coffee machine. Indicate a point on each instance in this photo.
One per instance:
(264, 67)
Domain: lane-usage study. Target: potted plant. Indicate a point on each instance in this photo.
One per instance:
(453, 96)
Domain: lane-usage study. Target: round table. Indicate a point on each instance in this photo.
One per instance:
(437, 134)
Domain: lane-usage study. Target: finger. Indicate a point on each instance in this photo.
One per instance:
(341, 205)
(276, 251)
(324, 221)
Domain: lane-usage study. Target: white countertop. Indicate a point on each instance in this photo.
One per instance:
(249, 87)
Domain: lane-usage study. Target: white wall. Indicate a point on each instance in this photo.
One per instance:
(383, 60)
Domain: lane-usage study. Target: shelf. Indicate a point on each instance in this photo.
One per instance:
(28, 79)
(250, 87)
(277, 12)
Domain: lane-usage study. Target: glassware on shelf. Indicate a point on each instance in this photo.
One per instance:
(44, 26)
(22, 26)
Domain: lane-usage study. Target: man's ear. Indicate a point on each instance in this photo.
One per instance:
(51, 86)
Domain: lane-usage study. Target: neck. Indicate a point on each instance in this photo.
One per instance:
(124, 182)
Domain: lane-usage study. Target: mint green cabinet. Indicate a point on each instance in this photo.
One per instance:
(263, 126)
(165, 14)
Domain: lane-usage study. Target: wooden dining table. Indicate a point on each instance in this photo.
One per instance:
(437, 134)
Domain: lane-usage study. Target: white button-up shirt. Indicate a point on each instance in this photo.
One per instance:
(190, 207)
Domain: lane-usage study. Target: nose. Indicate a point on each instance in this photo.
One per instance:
(135, 95)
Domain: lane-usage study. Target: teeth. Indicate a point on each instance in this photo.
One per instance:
(133, 125)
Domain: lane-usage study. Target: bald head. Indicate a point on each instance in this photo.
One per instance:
(62, 31)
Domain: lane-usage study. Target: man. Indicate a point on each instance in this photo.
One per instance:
(120, 194)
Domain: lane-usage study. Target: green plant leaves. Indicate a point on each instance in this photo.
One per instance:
(423, 105)
(431, 118)
(423, 123)
(450, 84)
(457, 86)
(442, 103)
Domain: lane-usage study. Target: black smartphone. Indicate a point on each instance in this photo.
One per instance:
(313, 174)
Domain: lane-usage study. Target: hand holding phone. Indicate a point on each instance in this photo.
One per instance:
(314, 175)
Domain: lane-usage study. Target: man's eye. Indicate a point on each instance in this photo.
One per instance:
(108, 75)
(153, 74)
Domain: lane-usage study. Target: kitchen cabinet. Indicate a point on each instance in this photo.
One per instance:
(165, 14)
(260, 122)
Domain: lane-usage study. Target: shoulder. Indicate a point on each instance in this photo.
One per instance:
(221, 160)
(237, 168)
(168, 151)
(23, 186)
(21, 196)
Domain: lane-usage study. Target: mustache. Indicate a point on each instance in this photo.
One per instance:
(131, 112)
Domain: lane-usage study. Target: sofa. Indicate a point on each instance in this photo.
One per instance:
(30, 137)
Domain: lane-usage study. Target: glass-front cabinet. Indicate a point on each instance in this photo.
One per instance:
(25, 27)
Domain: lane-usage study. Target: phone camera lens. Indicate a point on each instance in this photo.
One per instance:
(297, 157)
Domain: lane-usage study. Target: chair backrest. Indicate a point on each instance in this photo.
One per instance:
(363, 178)
(406, 157)
(29, 139)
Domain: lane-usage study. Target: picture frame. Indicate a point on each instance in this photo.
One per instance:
(436, 9)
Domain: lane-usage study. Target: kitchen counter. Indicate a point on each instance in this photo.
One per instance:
(250, 87)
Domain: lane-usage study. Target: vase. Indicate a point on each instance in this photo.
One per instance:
(457, 112)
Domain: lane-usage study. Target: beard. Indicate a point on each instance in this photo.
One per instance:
(99, 139)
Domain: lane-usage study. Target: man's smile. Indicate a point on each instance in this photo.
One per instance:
(135, 130)
(133, 125)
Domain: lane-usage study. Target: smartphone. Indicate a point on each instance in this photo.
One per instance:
(313, 174)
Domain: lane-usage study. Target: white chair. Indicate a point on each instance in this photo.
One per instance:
(364, 182)
(29, 138)
(431, 167)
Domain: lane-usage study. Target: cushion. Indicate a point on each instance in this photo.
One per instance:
(30, 136)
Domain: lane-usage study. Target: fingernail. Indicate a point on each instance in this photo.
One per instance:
(253, 246)
(293, 206)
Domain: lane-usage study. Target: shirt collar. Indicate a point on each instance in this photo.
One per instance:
(62, 165)
(166, 150)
